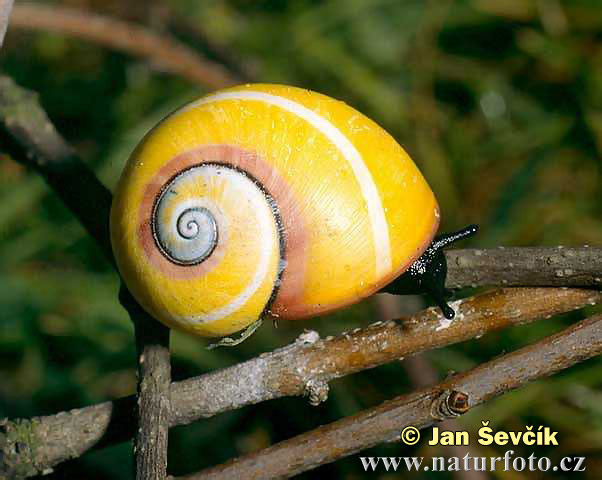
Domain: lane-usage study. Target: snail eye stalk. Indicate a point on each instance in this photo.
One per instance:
(427, 274)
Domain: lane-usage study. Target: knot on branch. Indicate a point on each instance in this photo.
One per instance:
(450, 404)
(317, 391)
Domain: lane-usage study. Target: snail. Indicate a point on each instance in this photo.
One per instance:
(272, 201)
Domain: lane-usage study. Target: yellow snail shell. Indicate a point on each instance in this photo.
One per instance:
(265, 200)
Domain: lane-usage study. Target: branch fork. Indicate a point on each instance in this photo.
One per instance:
(307, 365)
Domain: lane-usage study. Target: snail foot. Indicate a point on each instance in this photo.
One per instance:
(232, 342)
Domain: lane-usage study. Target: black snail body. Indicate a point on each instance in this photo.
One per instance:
(429, 272)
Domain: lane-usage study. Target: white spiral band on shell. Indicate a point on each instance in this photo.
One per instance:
(187, 232)
(376, 212)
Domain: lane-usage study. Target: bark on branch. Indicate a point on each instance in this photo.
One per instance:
(153, 397)
(302, 368)
(525, 266)
(419, 409)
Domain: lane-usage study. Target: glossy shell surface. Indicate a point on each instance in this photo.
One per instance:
(265, 200)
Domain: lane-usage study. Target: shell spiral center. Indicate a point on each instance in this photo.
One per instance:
(185, 230)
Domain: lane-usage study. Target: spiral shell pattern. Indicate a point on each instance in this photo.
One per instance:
(265, 200)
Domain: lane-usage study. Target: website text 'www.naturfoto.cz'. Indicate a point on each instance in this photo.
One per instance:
(468, 463)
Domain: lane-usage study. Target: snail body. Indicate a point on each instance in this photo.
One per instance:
(266, 200)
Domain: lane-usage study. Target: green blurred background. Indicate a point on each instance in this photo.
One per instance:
(498, 102)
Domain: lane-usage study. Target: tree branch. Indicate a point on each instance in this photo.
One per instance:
(154, 379)
(420, 409)
(302, 368)
(162, 51)
(525, 267)
(422, 374)
(306, 366)
(30, 138)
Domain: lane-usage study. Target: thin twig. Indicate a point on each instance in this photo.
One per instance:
(303, 367)
(154, 379)
(5, 8)
(161, 51)
(419, 409)
(306, 366)
(525, 267)
(421, 375)
(31, 139)
(29, 136)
